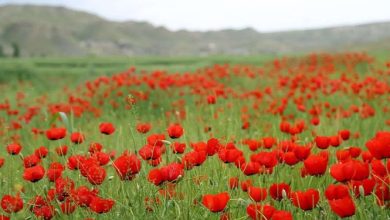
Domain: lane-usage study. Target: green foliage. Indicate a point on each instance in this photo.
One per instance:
(1, 51)
(16, 50)
(16, 70)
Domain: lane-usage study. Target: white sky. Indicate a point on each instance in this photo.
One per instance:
(263, 15)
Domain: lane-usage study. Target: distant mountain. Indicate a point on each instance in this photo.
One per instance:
(58, 31)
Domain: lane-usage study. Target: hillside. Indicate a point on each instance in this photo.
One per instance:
(58, 31)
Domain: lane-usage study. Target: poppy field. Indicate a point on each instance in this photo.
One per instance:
(292, 138)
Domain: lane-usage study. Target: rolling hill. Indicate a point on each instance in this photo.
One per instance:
(58, 31)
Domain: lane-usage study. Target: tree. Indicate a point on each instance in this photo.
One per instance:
(16, 50)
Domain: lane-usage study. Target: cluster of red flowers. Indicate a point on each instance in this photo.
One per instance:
(298, 97)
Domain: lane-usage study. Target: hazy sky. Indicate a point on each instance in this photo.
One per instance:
(263, 15)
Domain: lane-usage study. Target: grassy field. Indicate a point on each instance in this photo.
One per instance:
(253, 97)
(50, 74)
(23, 68)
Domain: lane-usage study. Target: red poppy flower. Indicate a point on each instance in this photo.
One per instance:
(229, 155)
(336, 192)
(217, 202)
(233, 182)
(343, 207)
(96, 175)
(211, 99)
(315, 165)
(382, 191)
(63, 188)
(194, 158)
(34, 174)
(77, 138)
(175, 131)
(11, 204)
(150, 152)
(55, 133)
(268, 142)
(75, 161)
(95, 147)
(351, 170)
(155, 162)
(260, 212)
(178, 148)
(345, 134)
(343, 155)
(267, 159)
(100, 205)
(83, 196)
(282, 215)
(367, 156)
(378, 168)
(354, 151)
(86, 164)
(14, 149)
(363, 187)
(112, 154)
(302, 153)
(68, 207)
(379, 146)
(172, 171)
(41, 152)
(278, 191)
(212, 146)
(334, 141)
(143, 128)
(322, 142)
(3, 217)
(257, 193)
(250, 168)
(306, 200)
(252, 144)
(315, 121)
(41, 208)
(241, 160)
(106, 128)
(156, 177)
(55, 171)
(286, 146)
(285, 126)
(1, 162)
(156, 139)
(245, 125)
(127, 166)
(101, 157)
(44, 212)
(199, 146)
(246, 184)
(31, 160)
(62, 150)
(289, 158)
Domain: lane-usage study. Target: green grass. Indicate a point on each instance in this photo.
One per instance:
(108, 65)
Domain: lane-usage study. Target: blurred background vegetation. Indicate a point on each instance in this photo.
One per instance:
(47, 44)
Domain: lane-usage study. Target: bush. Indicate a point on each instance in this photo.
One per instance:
(12, 70)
